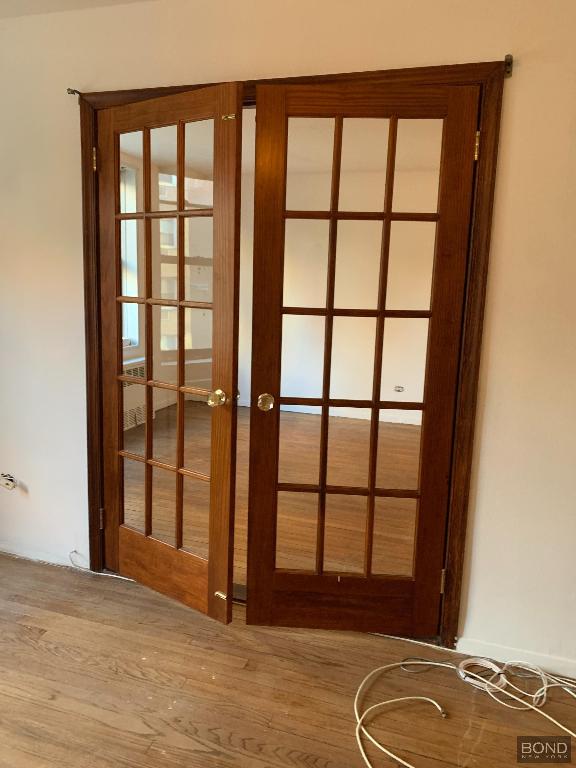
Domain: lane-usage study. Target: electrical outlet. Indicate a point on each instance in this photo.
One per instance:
(7, 481)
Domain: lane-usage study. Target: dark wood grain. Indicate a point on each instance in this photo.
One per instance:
(328, 334)
(452, 74)
(157, 565)
(379, 342)
(455, 204)
(269, 200)
(489, 123)
(227, 168)
(88, 134)
(417, 614)
(489, 76)
(126, 552)
(109, 318)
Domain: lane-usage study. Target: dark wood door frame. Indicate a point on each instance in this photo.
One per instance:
(490, 77)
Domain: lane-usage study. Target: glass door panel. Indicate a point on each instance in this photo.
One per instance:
(170, 242)
(355, 350)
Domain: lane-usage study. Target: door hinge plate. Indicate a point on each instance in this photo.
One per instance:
(477, 146)
(102, 519)
(229, 117)
(94, 162)
(442, 580)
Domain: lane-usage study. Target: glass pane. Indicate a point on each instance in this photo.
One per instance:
(134, 417)
(305, 263)
(164, 505)
(164, 258)
(302, 356)
(164, 425)
(199, 164)
(348, 446)
(198, 259)
(358, 249)
(410, 264)
(197, 434)
(132, 257)
(134, 493)
(309, 165)
(198, 348)
(394, 536)
(297, 520)
(165, 324)
(133, 347)
(363, 164)
(344, 533)
(196, 517)
(404, 358)
(163, 168)
(399, 436)
(299, 459)
(131, 172)
(417, 169)
(353, 340)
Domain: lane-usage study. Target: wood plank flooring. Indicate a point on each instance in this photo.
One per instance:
(395, 519)
(99, 672)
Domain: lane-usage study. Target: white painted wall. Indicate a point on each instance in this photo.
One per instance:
(519, 597)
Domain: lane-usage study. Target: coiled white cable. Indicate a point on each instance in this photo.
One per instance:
(492, 678)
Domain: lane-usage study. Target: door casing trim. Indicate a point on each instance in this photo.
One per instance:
(490, 77)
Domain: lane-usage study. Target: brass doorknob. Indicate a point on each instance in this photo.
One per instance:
(216, 398)
(265, 402)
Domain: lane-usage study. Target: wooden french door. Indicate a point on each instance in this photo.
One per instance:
(169, 245)
(359, 283)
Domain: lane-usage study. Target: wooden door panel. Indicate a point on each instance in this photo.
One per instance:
(182, 350)
(159, 566)
(330, 596)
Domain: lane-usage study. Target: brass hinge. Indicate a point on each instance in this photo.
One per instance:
(477, 146)
(442, 580)
(101, 519)
(94, 163)
(229, 117)
(221, 595)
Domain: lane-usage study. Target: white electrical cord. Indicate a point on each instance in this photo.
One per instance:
(492, 678)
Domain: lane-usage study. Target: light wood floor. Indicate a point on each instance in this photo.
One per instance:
(348, 450)
(99, 672)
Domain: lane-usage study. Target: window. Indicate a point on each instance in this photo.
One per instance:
(167, 191)
(129, 257)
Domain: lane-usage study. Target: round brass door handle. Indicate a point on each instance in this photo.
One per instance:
(216, 398)
(265, 402)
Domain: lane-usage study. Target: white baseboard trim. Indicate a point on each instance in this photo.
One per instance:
(558, 665)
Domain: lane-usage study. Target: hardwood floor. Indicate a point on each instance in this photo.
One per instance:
(99, 672)
(395, 519)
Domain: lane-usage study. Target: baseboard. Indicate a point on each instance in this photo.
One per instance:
(558, 665)
(40, 556)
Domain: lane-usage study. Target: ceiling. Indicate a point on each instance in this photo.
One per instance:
(364, 145)
(15, 8)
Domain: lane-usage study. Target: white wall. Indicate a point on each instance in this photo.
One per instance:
(519, 597)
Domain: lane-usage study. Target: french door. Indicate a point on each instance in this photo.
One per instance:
(359, 280)
(169, 253)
